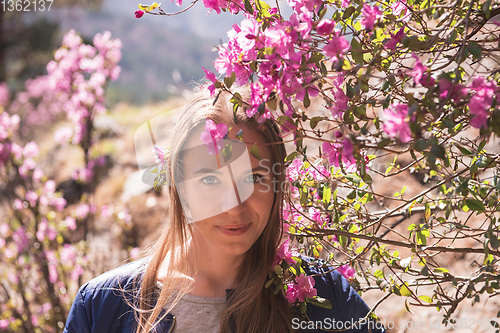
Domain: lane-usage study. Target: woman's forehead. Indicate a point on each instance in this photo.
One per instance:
(195, 150)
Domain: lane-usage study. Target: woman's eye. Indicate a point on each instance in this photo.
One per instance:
(254, 178)
(210, 180)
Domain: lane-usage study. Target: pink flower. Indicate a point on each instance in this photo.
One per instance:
(210, 76)
(70, 223)
(315, 215)
(4, 323)
(291, 293)
(371, 15)
(215, 5)
(397, 122)
(320, 173)
(398, 7)
(481, 101)
(50, 187)
(134, 253)
(68, 254)
(347, 271)
(58, 203)
(75, 274)
(302, 289)
(32, 198)
(18, 204)
(21, 239)
(395, 39)
(294, 170)
(336, 47)
(213, 136)
(107, 211)
(82, 211)
(344, 150)
(138, 13)
(458, 91)
(284, 252)
(325, 27)
(37, 174)
(419, 74)
(44, 230)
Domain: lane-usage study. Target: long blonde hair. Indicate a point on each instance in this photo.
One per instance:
(250, 307)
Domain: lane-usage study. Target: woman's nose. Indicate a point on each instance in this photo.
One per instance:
(232, 202)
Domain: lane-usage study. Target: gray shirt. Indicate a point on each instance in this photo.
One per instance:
(197, 314)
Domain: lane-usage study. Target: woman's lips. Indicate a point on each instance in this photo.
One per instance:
(234, 230)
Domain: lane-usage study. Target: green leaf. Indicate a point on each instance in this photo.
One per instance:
(320, 302)
(248, 7)
(291, 156)
(425, 299)
(255, 152)
(440, 270)
(494, 242)
(475, 205)
(327, 194)
(405, 290)
(354, 178)
(475, 50)
(378, 274)
(307, 101)
(314, 121)
(420, 145)
(228, 81)
(356, 52)
(348, 12)
(227, 152)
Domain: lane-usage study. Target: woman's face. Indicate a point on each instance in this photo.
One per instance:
(227, 198)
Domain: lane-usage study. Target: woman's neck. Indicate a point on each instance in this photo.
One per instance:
(212, 273)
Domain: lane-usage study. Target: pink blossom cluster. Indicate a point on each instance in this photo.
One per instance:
(279, 51)
(285, 253)
(300, 289)
(397, 122)
(347, 271)
(68, 256)
(213, 136)
(340, 151)
(8, 126)
(340, 99)
(419, 73)
(74, 83)
(218, 5)
(395, 39)
(482, 100)
(371, 14)
(401, 7)
(85, 174)
(291, 216)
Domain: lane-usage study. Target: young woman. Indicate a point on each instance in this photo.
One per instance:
(207, 271)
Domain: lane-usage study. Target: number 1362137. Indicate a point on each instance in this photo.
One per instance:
(26, 5)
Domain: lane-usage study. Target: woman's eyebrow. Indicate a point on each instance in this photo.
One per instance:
(260, 168)
(208, 170)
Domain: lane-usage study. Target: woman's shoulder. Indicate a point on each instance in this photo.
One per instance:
(124, 277)
(104, 303)
(348, 308)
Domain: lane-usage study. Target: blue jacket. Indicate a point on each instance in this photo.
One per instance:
(100, 307)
